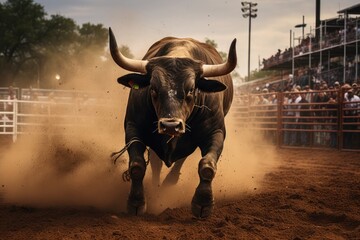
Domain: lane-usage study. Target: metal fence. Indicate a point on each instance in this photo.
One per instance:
(325, 120)
(48, 116)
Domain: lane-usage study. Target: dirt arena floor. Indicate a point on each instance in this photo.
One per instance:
(310, 194)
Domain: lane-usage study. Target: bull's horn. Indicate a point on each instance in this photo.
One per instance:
(124, 62)
(224, 68)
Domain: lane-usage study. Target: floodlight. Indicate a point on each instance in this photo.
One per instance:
(300, 25)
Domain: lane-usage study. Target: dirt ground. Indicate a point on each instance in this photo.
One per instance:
(311, 194)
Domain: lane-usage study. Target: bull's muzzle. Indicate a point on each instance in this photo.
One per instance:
(171, 126)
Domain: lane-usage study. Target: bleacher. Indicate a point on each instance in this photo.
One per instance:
(332, 47)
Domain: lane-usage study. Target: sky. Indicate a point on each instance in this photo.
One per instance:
(139, 23)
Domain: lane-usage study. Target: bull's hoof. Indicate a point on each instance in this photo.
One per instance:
(201, 211)
(202, 203)
(136, 202)
(136, 207)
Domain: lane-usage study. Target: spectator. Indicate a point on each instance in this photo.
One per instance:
(296, 99)
(356, 89)
(333, 93)
(352, 110)
(272, 99)
(9, 105)
(304, 118)
(262, 99)
(291, 136)
(308, 94)
(261, 110)
(320, 113)
(345, 89)
(287, 121)
(333, 112)
(337, 85)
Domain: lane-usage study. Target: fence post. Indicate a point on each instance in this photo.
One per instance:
(280, 102)
(341, 119)
(15, 120)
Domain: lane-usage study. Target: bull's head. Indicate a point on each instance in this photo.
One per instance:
(173, 83)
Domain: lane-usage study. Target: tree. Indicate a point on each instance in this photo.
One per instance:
(21, 23)
(34, 47)
(125, 50)
(92, 35)
(211, 42)
(223, 55)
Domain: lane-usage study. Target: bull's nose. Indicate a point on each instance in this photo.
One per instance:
(171, 126)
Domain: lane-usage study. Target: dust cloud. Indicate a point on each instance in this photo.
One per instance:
(72, 167)
(245, 160)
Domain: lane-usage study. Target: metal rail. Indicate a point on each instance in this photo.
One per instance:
(329, 124)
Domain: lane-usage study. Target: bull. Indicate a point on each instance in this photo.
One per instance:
(174, 108)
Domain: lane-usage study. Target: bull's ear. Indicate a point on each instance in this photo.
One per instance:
(208, 85)
(134, 80)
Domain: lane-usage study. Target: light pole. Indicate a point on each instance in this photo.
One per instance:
(310, 49)
(249, 11)
(303, 25)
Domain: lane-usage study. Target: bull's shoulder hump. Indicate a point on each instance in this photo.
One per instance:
(184, 47)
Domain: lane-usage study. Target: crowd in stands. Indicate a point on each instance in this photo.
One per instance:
(328, 39)
(311, 116)
(315, 78)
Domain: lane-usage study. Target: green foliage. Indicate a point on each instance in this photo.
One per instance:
(211, 42)
(125, 50)
(21, 24)
(59, 32)
(256, 74)
(214, 44)
(234, 74)
(92, 35)
(34, 46)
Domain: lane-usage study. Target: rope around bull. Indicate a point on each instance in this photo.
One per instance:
(126, 174)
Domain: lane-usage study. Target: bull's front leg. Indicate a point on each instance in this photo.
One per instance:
(203, 201)
(137, 166)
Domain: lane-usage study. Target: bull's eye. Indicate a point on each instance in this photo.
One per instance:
(190, 94)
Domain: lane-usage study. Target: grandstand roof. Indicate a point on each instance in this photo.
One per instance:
(351, 10)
